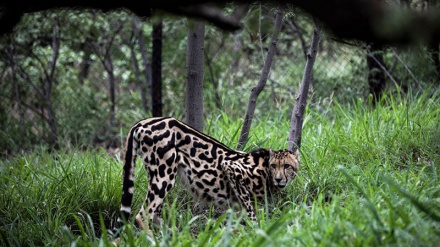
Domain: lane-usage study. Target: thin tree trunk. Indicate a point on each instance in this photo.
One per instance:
(156, 72)
(297, 118)
(85, 64)
(435, 52)
(137, 72)
(18, 99)
(194, 75)
(108, 64)
(144, 85)
(48, 94)
(214, 81)
(262, 82)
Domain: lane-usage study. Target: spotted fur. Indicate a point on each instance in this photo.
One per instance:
(212, 172)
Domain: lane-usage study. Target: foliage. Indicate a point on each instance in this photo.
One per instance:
(367, 177)
(80, 95)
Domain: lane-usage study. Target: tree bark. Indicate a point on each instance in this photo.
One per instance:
(214, 81)
(144, 85)
(297, 118)
(435, 52)
(108, 64)
(262, 82)
(85, 63)
(156, 73)
(48, 91)
(137, 72)
(10, 53)
(194, 75)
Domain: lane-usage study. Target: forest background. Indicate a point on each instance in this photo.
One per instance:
(80, 78)
(76, 81)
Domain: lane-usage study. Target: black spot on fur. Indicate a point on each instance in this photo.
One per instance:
(150, 196)
(196, 164)
(157, 138)
(202, 156)
(210, 172)
(170, 161)
(200, 145)
(192, 152)
(147, 140)
(200, 185)
(161, 151)
(153, 158)
(214, 152)
(169, 187)
(222, 185)
(160, 192)
(187, 139)
(210, 183)
(158, 126)
(162, 170)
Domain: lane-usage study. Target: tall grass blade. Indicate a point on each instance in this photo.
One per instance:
(418, 204)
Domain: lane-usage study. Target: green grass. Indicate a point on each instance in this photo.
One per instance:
(368, 177)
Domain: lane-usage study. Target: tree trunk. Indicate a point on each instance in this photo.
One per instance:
(261, 83)
(376, 76)
(18, 99)
(297, 118)
(144, 85)
(141, 83)
(108, 64)
(85, 64)
(194, 75)
(48, 91)
(156, 74)
(214, 81)
(435, 52)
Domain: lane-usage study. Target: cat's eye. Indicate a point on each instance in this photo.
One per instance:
(286, 166)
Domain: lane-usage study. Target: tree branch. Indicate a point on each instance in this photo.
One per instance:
(295, 29)
(406, 67)
(382, 67)
(370, 21)
(287, 88)
(297, 118)
(262, 82)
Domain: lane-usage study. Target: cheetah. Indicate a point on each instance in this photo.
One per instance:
(212, 172)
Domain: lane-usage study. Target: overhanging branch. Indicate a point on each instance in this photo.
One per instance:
(366, 20)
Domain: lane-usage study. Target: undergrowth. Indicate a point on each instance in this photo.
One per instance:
(368, 176)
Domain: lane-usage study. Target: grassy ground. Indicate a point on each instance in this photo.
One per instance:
(368, 177)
